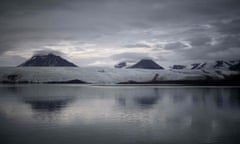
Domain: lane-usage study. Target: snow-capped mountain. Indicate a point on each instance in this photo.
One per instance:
(146, 64)
(49, 60)
(48, 70)
(210, 65)
(142, 64)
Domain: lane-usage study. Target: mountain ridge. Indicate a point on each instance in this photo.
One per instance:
(209, 65)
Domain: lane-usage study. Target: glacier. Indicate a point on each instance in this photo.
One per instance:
(102, 75)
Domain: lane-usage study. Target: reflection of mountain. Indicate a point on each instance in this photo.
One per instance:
(147, 100)
(48, 106)
(143, 99)
(211, 98)
(46, 98)
(235, 98)
(184, 114)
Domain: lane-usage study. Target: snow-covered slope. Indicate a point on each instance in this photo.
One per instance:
(103, 75)
(208, 65)
(212, 65)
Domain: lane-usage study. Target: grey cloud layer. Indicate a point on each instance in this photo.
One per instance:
(207, 26)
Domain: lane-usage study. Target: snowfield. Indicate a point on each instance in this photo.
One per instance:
(104, 75)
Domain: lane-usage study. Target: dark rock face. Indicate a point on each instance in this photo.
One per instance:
(198, 65)
(235, 67)
(48, 106)
(49, 60)
(211, 65)
(121, 65)
(178, 67)
(146, 64)
(220, 64)
(214, 65)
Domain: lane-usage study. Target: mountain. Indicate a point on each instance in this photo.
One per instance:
(210, 65)
(235, 66)
(146, 64)
(49, 60)
(124, 64)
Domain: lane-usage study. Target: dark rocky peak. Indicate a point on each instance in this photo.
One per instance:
(146, 64)
(48, 60)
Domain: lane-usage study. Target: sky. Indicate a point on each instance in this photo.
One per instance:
(106, 32)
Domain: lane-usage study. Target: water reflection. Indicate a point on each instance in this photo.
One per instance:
(148, 100)
(145, 98)
(119, 114)
(49, 106)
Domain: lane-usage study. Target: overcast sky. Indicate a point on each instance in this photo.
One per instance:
(105, 32)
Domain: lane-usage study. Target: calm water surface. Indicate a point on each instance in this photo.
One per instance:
(73, 114)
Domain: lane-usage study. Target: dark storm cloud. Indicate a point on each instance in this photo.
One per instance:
(179, 12)
(32, 25)
(25, 7)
